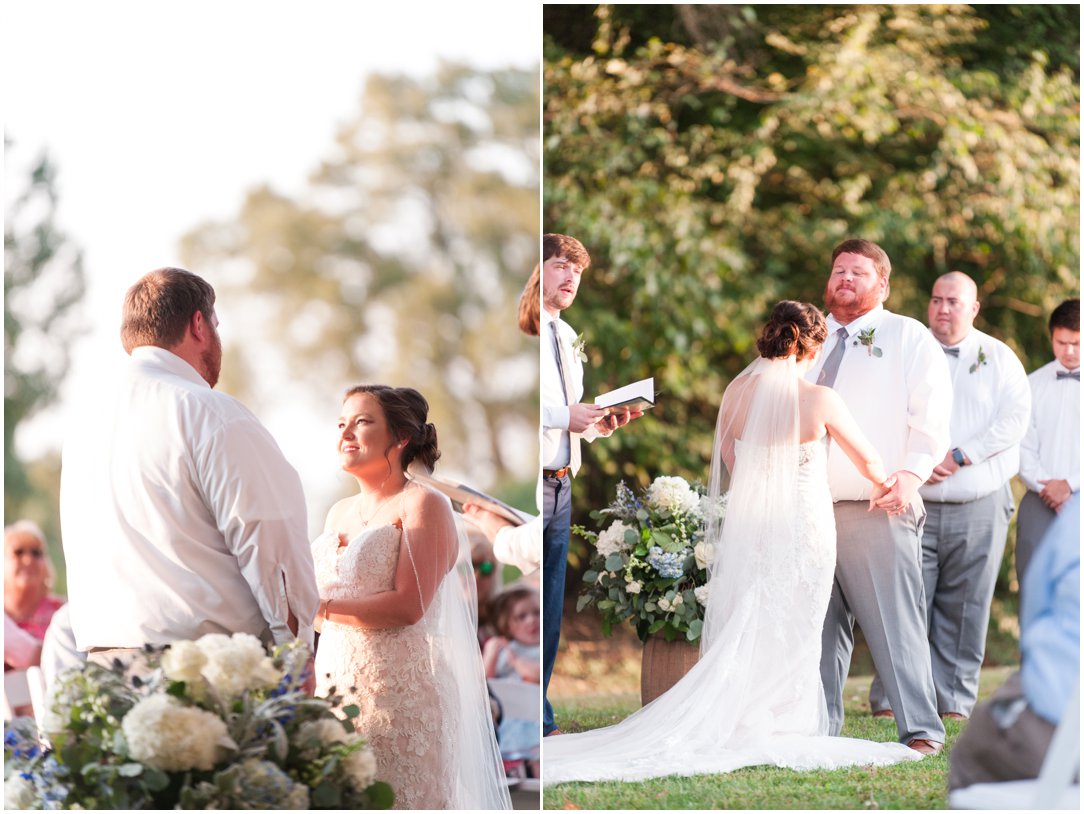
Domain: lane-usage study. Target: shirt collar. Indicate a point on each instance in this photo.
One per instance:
(866, 320)
(169, 361)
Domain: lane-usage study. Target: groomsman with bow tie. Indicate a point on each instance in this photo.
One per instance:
(893, 376)
(968, 498)
(1050, 452)
(565, 420)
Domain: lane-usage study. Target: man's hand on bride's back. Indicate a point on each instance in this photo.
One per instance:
(582, 416)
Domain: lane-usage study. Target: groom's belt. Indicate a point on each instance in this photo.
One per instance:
(556, 473)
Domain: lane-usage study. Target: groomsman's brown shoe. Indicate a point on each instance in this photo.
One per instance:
(553, 732)
(925, 747)
(953, 716)
(884, 713)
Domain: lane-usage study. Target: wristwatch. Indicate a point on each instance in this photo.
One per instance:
(958, 457)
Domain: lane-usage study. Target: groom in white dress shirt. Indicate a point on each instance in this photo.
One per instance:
(968, 498)
(893, 376)
(180, 515)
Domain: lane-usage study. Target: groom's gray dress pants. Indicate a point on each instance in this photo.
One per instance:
(962, 547)
(879, 585)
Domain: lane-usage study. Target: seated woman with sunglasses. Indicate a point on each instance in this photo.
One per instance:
(28, 602)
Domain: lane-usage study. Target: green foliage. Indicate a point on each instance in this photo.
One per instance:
(43, 286)
(404, 259)
(711, 173)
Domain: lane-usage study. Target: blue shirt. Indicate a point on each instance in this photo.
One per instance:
(1050, 617)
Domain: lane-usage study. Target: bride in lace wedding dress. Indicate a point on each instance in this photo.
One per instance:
(397, 618)
(755, 695)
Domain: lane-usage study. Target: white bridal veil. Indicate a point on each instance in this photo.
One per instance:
(755, 695)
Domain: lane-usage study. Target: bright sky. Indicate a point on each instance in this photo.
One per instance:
(161, 115)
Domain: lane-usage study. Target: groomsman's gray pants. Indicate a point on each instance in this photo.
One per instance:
(879, 585)
(962, 547)
(1032, 521)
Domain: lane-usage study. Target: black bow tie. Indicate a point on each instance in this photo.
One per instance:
(1070, 374)
(952, 351)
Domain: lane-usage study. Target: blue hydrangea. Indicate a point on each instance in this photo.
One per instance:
(669, 565)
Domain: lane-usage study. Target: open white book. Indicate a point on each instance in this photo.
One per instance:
(460, 494)
(636, 397)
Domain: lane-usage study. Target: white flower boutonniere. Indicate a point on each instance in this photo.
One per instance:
(980, 360)
(578, 349)
(865, 338)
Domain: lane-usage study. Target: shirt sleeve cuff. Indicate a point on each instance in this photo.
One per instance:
(556, 417)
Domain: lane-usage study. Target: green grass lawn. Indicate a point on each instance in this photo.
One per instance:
(921, 784)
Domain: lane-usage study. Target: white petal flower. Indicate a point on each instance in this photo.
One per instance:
(360, 768)
(672, 494)
(19, 794)
(612, 539)
(633, 587)
(167, 735)
(184, 661)
(677, 600)
(664, 604)
(237, 663)
(704, 554)
(701, 594)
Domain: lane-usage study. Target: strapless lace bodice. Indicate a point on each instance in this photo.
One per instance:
(407, 707)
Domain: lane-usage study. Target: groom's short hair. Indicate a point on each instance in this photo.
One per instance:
(1066, 315)
(157, 309)
(554, 245)
(866, 248)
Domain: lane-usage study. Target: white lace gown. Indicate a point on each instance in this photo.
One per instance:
(408, 713)
(755, 696)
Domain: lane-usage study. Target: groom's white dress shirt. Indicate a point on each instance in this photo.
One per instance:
(555, 413)
(180, 515)
(901, 399)
(990, 409)
(1051, 446)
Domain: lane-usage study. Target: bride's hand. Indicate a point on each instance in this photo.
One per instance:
(902, 486)
(880, 490)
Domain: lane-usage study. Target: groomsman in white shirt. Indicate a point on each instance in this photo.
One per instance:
(1050, 452)
(894, 378)
(968, 498)
(180, 515)
(565, 420)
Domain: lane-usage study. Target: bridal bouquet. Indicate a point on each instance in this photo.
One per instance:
(650, 564)
(218, 723)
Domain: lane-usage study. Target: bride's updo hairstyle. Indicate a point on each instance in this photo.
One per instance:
(406, 411)
(793, 327)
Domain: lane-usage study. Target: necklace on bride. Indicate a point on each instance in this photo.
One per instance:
(365, 521)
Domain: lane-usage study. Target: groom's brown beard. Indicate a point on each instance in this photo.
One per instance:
(848, 313)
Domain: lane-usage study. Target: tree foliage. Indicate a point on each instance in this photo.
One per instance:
(405, 258)
(710, 157)
(43, 286)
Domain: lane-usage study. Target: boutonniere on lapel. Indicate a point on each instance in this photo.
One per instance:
(979, 361)
(865, 338)
(578, 349)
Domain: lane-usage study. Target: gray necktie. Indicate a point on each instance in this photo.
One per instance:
(562, 367)
(828, 373)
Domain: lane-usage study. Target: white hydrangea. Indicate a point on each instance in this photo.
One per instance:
(673, 494)
(314, 736)
(701, 594)
(237, 663)
(359, 768)
(19, 794)
(167, 735)
(184, 661)
(633, 587)
(612, 539)
(704, 553)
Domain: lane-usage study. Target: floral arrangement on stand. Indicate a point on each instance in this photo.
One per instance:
(650, 564)
(218, 723)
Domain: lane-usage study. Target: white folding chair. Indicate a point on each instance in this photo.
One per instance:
(1052, 789)
(16, 692)
(519, 699)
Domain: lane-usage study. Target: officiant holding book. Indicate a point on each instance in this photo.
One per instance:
(565, 420)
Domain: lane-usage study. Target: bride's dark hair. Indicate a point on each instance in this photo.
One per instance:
(793, 327)
(406, 411)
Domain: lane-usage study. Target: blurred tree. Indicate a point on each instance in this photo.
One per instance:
(404, 260)
(43, 284)
(710, 157)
